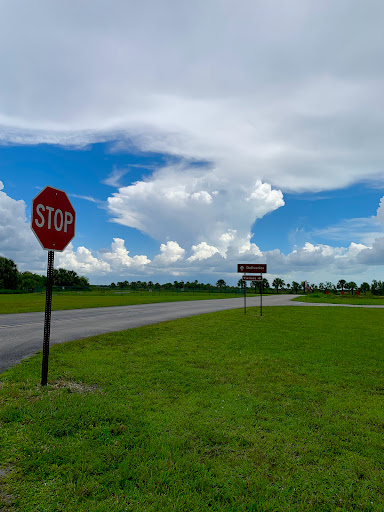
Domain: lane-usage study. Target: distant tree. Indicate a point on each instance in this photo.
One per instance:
(329, 286)
(377, 287)
(278, 283)
(63, 277)
(29, 281)
(374, 287)
(9, 275)
(221, 283)
(113, 285)
(295, 286)
(321, 286)
(265, 283)
(241, 283)
(341, 284)
(351, 286)
(364, 287)
(150, 284)
(83, 281)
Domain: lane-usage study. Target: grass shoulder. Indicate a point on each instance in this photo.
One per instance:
(224, 411)
(25, 303)
(330, 298)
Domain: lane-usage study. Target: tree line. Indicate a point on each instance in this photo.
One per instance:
(13, 280)
(376, 287)
(278, 284)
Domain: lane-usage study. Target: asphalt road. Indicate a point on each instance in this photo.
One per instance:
(21, 335)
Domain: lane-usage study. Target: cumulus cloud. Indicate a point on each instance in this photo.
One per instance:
(310, 259)
(17, 241)
(169, 253)
(118, 257)
(82, 261)
(202, 251)
(194, 260)
(192, 205)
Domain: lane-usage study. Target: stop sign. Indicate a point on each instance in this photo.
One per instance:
(53, 219)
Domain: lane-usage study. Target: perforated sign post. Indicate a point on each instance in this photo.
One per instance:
(252, 268)
(53, 222)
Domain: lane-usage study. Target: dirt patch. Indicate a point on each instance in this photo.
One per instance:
(76, 387)
(6, 499)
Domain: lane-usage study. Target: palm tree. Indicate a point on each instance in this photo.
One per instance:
(221, 283)
(278, 283)
(341, 284)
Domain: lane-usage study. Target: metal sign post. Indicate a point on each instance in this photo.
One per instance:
(261, 296)
(245, 297)
(47, 318)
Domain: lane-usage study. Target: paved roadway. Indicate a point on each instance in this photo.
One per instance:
(21, 335)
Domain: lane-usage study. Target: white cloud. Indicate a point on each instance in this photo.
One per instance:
(202, 251)
(86, 198)
(17, 241)
(169, 253)
(315, 261)
(380, 212)
(193, 204)
(118, 257)
(82, 261)
(114, 177)
(202, 196)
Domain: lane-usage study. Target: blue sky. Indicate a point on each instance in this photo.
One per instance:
(190, 140)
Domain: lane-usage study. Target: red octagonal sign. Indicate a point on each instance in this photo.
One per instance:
(53, 219)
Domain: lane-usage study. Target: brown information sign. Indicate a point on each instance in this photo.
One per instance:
(252, 278)
(252, 268)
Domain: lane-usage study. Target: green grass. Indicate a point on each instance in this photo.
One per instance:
(361, 300)
(80, 300)
(221, 412)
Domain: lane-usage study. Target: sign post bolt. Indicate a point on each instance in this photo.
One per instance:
(47, 318)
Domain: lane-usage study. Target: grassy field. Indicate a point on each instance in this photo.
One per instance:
(221, 412)
(25, 303)
(361, 300)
